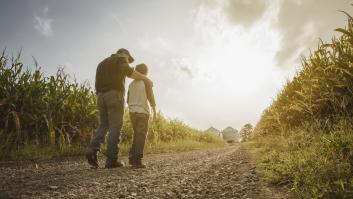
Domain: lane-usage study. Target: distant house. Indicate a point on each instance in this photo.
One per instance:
(231, 135)
(214, 131)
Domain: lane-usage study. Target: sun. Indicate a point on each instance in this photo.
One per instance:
(236, 73)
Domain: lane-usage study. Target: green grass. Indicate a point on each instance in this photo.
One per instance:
(305, 139)
(33, 152)
(313, 164)
(176, 146)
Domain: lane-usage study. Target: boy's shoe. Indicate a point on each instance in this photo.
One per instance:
(138, 165)
(114, 164)
(91, 157)
(131, 161)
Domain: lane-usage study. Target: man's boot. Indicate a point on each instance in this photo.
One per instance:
(91, 156)
(131, 161)
(138, 164)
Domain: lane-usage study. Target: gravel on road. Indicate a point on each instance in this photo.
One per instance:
(228, 172)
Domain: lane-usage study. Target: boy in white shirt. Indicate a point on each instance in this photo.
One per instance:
(140, 94)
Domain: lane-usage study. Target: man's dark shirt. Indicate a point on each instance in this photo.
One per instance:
(111, 74)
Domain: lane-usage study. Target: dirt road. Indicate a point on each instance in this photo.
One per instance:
(217, 173)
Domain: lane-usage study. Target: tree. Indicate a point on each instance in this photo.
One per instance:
(246, 132)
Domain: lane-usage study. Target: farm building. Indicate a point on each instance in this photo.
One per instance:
(214, 131)
(231, 135)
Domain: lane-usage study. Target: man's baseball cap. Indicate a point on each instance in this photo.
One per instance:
(126, 52)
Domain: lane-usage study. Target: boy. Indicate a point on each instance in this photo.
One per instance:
(139, 94)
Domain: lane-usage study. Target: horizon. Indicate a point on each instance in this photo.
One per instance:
(213, 63)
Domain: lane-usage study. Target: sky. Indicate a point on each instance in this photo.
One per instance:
(213, 62)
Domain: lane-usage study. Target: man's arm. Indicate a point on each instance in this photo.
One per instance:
(138, 76)
(130, 72)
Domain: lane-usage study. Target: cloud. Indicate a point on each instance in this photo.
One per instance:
(117, 20)
(245, 12)
(183, 67)
(299, 22)
(44, 24)
(45, 10)
(302, 22)
(156, 46)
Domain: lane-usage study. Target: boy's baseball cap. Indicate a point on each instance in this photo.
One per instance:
(126, 52)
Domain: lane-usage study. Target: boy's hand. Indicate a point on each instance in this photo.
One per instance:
(154, 117)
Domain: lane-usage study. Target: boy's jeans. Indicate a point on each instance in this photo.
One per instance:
(111, 113)
(140, 126)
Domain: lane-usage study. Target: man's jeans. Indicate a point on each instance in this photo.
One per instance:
(111, 113)
(140, 126)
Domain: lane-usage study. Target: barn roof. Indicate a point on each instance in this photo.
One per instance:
(212, 129)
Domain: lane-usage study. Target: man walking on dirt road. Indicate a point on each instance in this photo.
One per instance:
(110, 88)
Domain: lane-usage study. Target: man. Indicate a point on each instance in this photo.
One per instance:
(140, 94)
(110, 88)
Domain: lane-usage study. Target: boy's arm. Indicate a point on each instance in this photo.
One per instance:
(154, 112)
(128, 93)
(150, 97)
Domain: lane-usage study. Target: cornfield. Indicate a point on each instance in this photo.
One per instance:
(306, 134)
(60, 113)
(42, 110)
(322, 90)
